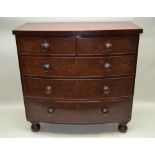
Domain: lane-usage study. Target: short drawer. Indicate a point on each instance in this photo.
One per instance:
(78, 88)
(78, 111)
(45, 45)
(107, 45)
(79, 66)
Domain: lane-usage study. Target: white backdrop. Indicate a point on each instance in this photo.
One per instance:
(10, 85)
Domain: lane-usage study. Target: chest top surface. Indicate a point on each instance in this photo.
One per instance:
(73, 28)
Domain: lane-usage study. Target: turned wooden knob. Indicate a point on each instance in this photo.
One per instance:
(104, 110)
(107, 66)
(106, 90)
(46, 67)
(51, 110)
(48, 90)
(108, 46)
(45, 45)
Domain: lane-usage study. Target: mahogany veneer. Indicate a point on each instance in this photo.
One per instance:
(78, 72)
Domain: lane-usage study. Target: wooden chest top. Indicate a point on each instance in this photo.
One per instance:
(76, 28)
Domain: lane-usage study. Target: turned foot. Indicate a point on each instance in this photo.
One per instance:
(35, 127)
(122, 128)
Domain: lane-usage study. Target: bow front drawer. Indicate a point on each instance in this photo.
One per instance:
(79, 67)
(79, 88)
(45, 45)
(78, 111)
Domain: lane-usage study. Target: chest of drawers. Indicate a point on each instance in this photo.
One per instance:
(78, 72)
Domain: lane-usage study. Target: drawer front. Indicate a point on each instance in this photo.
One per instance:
(78, 112)
(45, 46)
(107, 45)
(79, 67)
(78, 88)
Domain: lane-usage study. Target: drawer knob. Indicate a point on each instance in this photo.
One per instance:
(45, 45)
(104, 110)
(46, 67)
(51, 110)
(106, 90)
(107, 66)
(48, 90)
(108, 46)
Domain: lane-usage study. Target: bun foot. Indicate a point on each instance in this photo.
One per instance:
(122, 128)
(35, 127)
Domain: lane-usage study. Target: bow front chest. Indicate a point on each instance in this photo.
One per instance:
(78, 72)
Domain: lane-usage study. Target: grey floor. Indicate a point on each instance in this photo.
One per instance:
(14, 124)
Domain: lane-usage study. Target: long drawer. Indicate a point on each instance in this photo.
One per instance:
(78, 112)
(78, 88)
(79, 66)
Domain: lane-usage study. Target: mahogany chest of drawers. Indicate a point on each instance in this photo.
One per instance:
(78, 72)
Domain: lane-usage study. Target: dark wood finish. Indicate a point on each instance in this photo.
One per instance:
(78, 72)
(107, 45)
(78, 66)
(78, 88)
(78, 111)
(46, 45)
